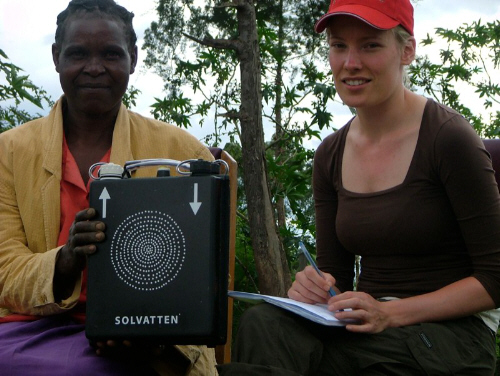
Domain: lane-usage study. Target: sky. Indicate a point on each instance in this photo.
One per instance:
(27, 30)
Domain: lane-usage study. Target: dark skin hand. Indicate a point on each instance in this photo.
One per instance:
(112, 348)
(126, 349)
(72, 259)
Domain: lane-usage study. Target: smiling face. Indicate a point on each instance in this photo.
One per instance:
(367, 63)
(94, 63)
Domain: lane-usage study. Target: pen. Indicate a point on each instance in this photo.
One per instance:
(311, 261)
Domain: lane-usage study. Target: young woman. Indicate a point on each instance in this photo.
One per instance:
(46, 227)
(407, 185)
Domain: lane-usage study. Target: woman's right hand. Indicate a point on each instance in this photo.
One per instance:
(72, 257)
(310, 287)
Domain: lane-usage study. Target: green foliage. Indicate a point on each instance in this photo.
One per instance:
(471, 60)
(208, 75)
(212, 76)
(129, 98)
(18, 88)
(203, 82)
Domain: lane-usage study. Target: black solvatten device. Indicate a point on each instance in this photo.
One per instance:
(161, 275)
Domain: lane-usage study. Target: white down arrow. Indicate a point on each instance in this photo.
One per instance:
(195, 205)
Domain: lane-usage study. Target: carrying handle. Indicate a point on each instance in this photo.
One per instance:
(182, 167)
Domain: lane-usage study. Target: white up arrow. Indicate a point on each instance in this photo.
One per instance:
(104, 196)
(195, 205)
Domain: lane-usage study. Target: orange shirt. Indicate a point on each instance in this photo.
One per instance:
(74, 198)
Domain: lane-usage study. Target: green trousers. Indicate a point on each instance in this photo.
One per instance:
(271, 341)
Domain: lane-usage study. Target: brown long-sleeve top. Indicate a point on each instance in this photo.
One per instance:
(440, 225)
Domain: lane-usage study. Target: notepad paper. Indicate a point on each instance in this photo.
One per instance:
(318, 313)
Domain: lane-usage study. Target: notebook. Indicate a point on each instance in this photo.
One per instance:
(317, 313)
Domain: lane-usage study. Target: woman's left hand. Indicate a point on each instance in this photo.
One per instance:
(370, 314)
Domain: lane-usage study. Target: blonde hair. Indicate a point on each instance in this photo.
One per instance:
(402, 36)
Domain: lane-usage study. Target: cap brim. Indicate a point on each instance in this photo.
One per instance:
(371, 16)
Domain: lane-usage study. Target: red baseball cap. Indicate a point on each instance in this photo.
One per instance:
(380, 14)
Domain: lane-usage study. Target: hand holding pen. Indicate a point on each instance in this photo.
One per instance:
(311, 285)
(313, 264)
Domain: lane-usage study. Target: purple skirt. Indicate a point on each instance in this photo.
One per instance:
(55, 346)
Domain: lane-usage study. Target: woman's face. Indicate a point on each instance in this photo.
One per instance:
(94, 64)
(367, 63)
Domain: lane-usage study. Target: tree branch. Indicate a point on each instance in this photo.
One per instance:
(216, 43)
(232, 114)
(242, 216)
(231, 4)
(248, 274)
(228, 5)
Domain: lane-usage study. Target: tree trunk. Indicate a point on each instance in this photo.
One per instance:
(270, 259)
(278, 150)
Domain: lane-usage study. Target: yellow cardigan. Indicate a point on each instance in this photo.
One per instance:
(30, 175)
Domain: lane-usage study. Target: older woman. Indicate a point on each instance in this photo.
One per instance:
(46, 227)
(407, 185)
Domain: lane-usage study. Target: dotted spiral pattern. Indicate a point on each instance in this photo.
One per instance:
(148, 250)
